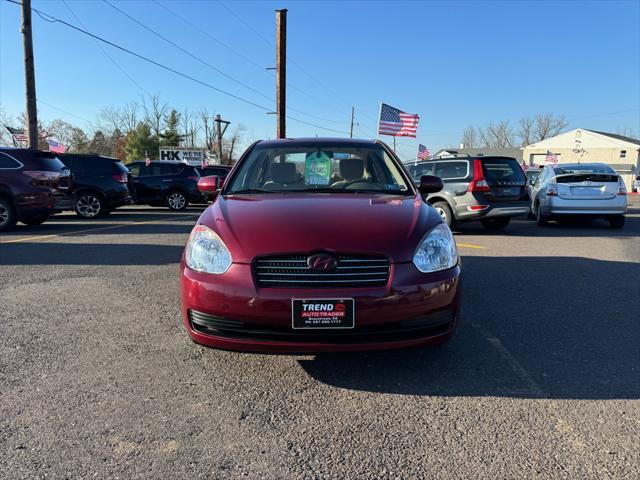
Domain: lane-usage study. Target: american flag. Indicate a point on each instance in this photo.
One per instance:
(396, 123)
(56, 146)
(18, 134)
(423, 152)
(551, 158)
(147, 160)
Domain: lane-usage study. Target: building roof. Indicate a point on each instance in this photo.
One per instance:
(616, 136)
(483, 152)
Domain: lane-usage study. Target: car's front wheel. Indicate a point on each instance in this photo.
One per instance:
(35, 220)
(616, 221)
(445, 212)
(176, 200)
(495, 224)
(7, 215)
(89, 205)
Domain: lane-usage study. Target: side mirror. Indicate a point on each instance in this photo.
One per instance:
(430, 184)
(209, 184)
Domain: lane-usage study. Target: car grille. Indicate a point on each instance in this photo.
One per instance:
(291, 271)
(435, 323)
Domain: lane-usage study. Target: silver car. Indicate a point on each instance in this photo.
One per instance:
(579, 189)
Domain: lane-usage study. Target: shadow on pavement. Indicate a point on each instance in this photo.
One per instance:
(547, 327)
(48, 253)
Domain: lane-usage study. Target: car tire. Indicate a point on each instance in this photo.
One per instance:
(495, 224)
(444, 210)
(89, 205)
(8, 217)
(541, 220)
(35, 220)
(176, 200)
(616, 221)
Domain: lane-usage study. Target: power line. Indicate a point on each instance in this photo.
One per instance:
(184, 50)
(104, 51)
(50, 18)
(62, 110)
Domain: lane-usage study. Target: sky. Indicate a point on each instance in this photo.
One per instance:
(453, 63)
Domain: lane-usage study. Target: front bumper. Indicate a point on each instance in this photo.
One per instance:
(229, 312)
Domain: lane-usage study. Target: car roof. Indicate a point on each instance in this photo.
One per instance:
(318, 141)
(164, 162)
(88, 155)
(582, 165)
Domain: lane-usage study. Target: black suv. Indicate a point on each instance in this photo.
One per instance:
(169, 183)
(100, 184)
(33, 185)
(489, 189)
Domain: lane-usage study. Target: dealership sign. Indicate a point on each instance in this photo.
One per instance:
(186, 155)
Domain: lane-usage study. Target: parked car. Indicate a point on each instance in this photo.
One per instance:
(636, 184)
(33, 185)
(221, 171)
(100, 184)
(170, 183)
(488, 189)
(579, 189)
(319, 245)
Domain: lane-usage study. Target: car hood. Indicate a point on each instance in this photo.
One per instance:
(257, 225)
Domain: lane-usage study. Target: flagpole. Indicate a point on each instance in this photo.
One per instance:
(415, 162)
(394, 144)
(379, 118)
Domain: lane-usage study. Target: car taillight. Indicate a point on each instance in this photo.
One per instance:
(476, 208)
(42, 177)
(622, 188)
(478, 184)
(120, 177)
(552, 189)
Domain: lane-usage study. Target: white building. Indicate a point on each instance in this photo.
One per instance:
(587, 146)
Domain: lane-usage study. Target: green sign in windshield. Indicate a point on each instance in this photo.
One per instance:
(317, 168)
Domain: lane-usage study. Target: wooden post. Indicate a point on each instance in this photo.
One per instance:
(29, 76)
(281, 72)
(219, 136)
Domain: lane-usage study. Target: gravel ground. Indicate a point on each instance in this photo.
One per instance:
(98, 378)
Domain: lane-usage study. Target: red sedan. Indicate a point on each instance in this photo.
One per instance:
(319, 245)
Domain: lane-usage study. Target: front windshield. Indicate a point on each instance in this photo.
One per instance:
(319, 169)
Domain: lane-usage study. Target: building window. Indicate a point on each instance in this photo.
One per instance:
(623, 154)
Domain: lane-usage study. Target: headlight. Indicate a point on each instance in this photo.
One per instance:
(437, 251)
(206, 252)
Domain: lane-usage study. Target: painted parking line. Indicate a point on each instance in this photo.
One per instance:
(109, 227)
(470, 245)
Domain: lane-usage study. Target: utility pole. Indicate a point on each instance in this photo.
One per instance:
(353, 109)
(29, 76)
(219, 133)
(281, 72)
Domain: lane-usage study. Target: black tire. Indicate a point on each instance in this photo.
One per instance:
(445, 212)
(616, 221)
(176, 200)
(89, 204)
(495, 224)
(541, 220)
(8, 217)
(35, 220)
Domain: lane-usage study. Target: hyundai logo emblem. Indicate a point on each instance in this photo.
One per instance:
(322, 262)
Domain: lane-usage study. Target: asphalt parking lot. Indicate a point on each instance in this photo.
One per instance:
(99, 379)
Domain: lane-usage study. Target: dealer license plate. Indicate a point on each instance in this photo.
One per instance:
(322, 313)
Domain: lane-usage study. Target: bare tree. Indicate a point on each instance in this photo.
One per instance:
(498, 135)
(130, 117)
(469, 137)
(62, 131)
(526, 130)
(208, 127)
(5, 121)
(155, 113)
(232, 142)
(547, 125)
(627, 132)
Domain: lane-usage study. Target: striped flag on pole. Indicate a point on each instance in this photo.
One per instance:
(423, 152)
(551, 158)
(397, 123)
(18, 135)
(56, 147)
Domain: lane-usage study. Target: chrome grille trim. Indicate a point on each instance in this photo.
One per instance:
(291, 271)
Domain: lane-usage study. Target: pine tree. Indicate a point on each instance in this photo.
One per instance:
(171, 136)
(140, 141)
